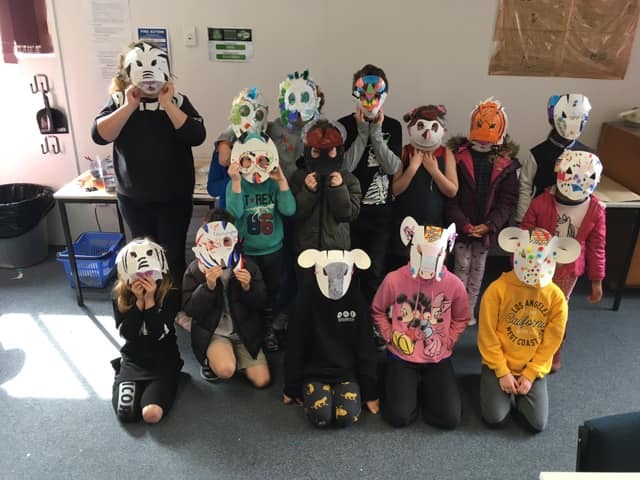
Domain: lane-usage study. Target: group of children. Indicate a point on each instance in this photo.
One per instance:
(360, 226)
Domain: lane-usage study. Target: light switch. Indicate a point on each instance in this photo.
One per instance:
(189, 36)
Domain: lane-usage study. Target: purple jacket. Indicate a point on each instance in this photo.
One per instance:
(502, 196)
(543, 213)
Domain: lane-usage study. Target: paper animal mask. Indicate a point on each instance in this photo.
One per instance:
(429, 245)
(323, 136)
(577, 174)
(369, 93)
(257, 156)
(334, 268)
(488, 122)
(248, 112)
(141, 257)
(148, 68)
(426, 126)
(536, 254)
(298, 99)
(216, 245)
(569, 114)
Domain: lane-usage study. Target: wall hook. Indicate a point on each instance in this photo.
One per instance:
(44, 147)
(42, 85)
(55, 147)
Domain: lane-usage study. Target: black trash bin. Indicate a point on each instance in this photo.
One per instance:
(23, 229)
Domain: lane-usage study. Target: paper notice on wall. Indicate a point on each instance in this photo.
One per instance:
(109, 33)
(230, 44)
(157, 36)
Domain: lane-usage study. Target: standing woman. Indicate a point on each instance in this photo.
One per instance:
(152, 128)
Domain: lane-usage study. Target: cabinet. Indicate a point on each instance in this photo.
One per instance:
(619, 150)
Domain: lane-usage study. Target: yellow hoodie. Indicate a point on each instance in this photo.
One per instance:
(520, 326)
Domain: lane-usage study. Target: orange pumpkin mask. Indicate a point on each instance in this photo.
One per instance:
(488, 122)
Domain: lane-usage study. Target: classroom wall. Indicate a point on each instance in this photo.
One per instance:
(432, 51)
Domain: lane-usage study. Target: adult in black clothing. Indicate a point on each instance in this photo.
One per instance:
(152, 128)
(144, 307)
(372, 152)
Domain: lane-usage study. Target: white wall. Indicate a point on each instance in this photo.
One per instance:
(432, 51)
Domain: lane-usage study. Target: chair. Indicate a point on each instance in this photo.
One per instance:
(609, 444)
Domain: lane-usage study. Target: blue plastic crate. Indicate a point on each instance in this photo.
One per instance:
(95, 258)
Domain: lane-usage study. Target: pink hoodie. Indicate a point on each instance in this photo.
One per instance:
(427, 316)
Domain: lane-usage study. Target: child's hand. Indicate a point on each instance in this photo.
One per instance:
(132, 96)
(359, 116)
(137, 287)
(287, 400)
(596, 291)
(508, 384)
(150, 288)
(224, 153)
(479, 231)
(212, 275)
(524, 385)
(416, 159)
(379, 118)
(277, 175)
(373, 406)
(430, 162)
(244, 277)
(311, 182)
(165, 96)
(234, 172)
(335, 179)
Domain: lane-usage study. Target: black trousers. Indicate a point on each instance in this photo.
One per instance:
(165, 223)
(271, 268)
(433, 383)
(130, 397)
(372, 235)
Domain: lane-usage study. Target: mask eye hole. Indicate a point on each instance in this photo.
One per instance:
(420, 125)
(292, 98)
(434, 127)
(244, 110)
(139, 63)
(479, 124)
(569, 171)
(492, 125)
(564, 115)
(154, 63)
(304, 98)
(133, 254)
(324, 271)
(149, 252)
(593, 176)
(259, 115)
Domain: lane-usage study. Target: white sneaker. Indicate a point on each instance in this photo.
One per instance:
(472, 321)
(183, 320)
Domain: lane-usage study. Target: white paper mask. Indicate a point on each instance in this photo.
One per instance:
(334, 268)
(257, 157)
(141, 257)
(216, 244)
(429, 245)
(148, 68)
(426, 134)
(298, 97)
(369, 93)
(577, 174)
(569, 114)
(248, 112)
(536, 254)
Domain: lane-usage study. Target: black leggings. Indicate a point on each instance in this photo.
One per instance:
(271, 268)
(130, 397)
(435, 385)
(165, 223)
(323, 402)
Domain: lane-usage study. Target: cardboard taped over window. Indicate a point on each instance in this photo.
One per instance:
(567, 38)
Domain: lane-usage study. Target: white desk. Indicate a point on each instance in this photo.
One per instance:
(74, 192)
(615, 196)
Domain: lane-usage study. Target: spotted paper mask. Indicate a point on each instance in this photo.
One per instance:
(298, 99)
(369, 93)
(569, 114)
(248, 112)
(141, 257)
(536, 254)
(216, 245)
(148, 68)
(334, 268)
(257, 156)
(577, 174)
(429, 246)
(488, 123)
(426, 127)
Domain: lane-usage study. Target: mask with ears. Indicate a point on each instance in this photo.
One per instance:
(429, 245)
(334, 268)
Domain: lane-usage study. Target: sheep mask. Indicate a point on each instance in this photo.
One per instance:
(334, 268)
(429, 245)
(536, 254)
(216, 244)
(140, 258)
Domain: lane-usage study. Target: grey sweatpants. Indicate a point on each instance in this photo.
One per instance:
(495, 405)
